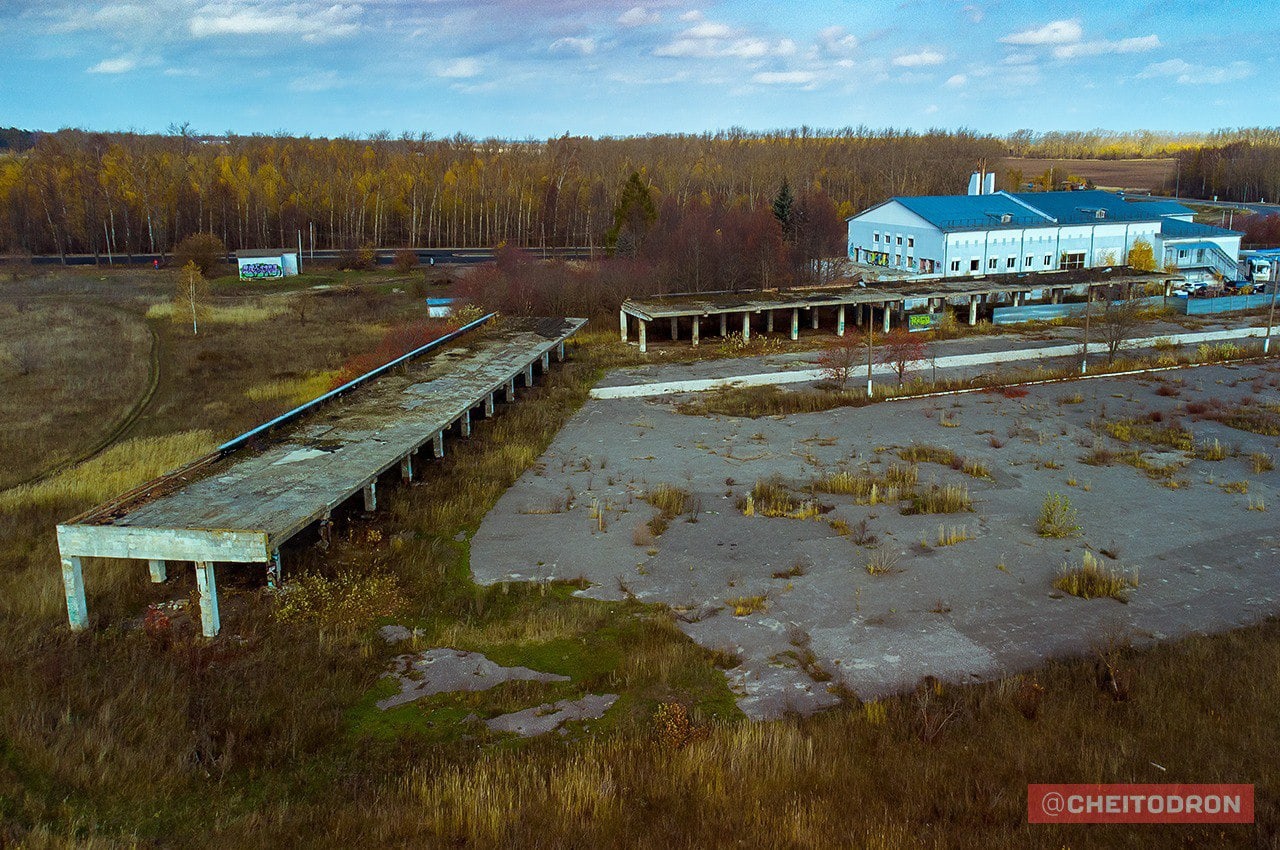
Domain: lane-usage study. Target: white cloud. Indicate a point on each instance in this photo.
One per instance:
(571, 44)
(975, 13)
(298, 20)
(956, 81)
(837, 41)
(1018, 59)
(121, 65)
(920, 59)
(638, 16)
(1055, 32)
(785, 78)
(1185, 73)
(714, 40)
(460, 69)
(1140, 44)
(693, 15)
(709, 29)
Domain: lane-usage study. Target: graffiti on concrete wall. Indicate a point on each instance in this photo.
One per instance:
(255, 271)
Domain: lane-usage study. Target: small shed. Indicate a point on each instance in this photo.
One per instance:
(267, 264)
(439, 308)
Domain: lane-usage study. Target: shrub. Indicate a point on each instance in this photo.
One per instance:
(746, 605)
(882, 561)
(1261, 462)
(1057, 517)
(349, 600)
(405, 260)
(940, 499)
(363, 258)
(203, 249)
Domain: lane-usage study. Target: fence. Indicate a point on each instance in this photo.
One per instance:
(1045, 312)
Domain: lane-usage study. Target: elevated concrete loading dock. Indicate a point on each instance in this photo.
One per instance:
(869, 302)
(241, 503)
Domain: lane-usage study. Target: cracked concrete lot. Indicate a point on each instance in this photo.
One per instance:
(965, 596)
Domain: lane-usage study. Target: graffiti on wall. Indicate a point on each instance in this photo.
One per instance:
(256, 271)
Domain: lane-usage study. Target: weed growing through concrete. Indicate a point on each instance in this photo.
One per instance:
(1057, 517)
(953, 535)
(882, 561)
(744, 606)
(1093, 580)
(1261, 462)
(940, 499)
(1212, 451)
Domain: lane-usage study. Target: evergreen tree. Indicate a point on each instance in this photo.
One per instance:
(783, 209)
(634, 214)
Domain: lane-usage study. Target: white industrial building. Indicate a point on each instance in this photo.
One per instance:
(988, 232)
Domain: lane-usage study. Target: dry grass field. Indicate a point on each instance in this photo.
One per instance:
(131, 735)
(1131, 174)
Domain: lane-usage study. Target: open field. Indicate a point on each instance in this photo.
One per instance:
(1133, 174)
(138, 732)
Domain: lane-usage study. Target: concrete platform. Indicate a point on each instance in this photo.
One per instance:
(242, 503)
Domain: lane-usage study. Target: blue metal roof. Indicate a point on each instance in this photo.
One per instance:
(1160, 206)
(972, 212)
(1173, 228)
(1082, 207)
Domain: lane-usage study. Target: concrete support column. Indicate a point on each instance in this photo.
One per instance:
(159, 570)
(528, 375)
(1055, 296)
(1017, 299)
(273, 571)
(438, 439)
(768, 321)
(560, 351)
(371, 496)
(73, 584)
(795, 323)
(326, 530)
(724, 324)
(406, 468)
(746, 327)
(840, 320)
(511, 389)
(697, 320)
(644, 336)
(464, 423)
(546, 361)
(207, 585)
(973, 310)
(488, 406)
(622, 324)
(886, 317)
(813, 317)
(857, 315)
(675, 328)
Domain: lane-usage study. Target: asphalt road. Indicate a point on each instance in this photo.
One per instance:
(426, 256)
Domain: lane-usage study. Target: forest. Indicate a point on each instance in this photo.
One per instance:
(74, 191)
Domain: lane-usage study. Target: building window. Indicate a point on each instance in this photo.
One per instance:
(955, 265)
(911, 261)
(974, 265)
(1048, 260)
(991, 263)
(875, 237)
(1073, 259)
(911, 242)
(897, 260)
(1010, 263)
(1182, 255)
(1031, 261)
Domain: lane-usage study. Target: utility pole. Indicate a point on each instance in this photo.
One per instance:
(191, 297)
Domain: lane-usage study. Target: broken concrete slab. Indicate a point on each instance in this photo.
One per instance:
(547, 718)
(442, 670)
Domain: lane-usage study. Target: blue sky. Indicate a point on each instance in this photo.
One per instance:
(546, 67)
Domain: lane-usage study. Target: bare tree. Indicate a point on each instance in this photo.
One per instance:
(903, 350)
(839, 359)
(1117, 320)
(192, 295)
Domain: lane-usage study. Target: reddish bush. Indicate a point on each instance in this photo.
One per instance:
(395, 342)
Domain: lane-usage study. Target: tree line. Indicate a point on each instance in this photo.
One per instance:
(97, 193)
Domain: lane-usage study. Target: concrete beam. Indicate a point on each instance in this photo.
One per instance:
(371, 496)
(675, 328)
(746, 327)
(207, 585)
(768, 322)
(795, 323)
(973, 310)
(697, 320)
(724, 324)
(488, 406)
(622, 324)
(840, 320)
(406, 468)
(73, 584)
(644, 336)
(813, 316)
(173, 544)
(158, 570)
